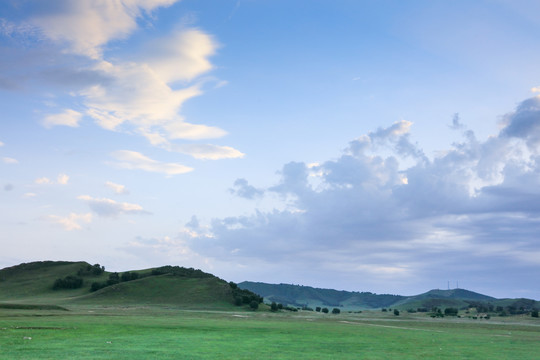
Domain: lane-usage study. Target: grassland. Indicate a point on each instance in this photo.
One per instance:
(168, 316)
(141, 332)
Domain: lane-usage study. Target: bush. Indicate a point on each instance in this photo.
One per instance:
(273, 306)
(534, 313)
(254, 305)
(318, 309)
(451, 311)
(325, 310)
(335, 311)
(396, 312)
(69, 282)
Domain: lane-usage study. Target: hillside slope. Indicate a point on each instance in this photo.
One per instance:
(297, 295)
(34, 283)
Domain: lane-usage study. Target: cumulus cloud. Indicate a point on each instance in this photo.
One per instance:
(133, 160)
(62, 179)
(242, 188)
(524, 122)
(110, 208)
(384, 218)
(71, 222)
(8, 160)
(117, 188)
(68, 117)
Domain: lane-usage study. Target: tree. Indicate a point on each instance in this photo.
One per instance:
(325, 310)
(451, 311)
(396, 312)
(335, 311)
(273, 306)
(254, 305)
(534, 313)
(318, 309)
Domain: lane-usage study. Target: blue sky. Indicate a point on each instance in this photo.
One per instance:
(384, 146)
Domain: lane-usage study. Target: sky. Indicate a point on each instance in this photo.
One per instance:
(385, 146)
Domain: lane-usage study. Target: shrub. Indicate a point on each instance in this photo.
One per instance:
(451, 311)
(254, 305)
(534, 313)
(318, 309)
(396, 312)
(335, 311)
(325, 310)
(273, 306)
(69, 282)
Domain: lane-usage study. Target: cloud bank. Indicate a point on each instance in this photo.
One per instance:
(381, 221)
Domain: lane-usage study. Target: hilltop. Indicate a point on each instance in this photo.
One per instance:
(65, 283)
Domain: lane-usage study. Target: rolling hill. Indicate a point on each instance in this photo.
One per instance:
(82, 283)
(306, 296)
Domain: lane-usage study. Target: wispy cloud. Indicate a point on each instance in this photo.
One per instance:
(208, 151)
(141, 95)
(71, 222)
(86, 26)
(43, 180)
(8, 160)
(117, 188)
(110, 208)
(68, 117)
(133, 160)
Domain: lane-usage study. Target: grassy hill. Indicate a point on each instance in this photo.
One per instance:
(33, 283)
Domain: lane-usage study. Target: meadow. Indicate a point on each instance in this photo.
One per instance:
(149, 332)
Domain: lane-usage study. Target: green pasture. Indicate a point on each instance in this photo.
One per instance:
(169, 333)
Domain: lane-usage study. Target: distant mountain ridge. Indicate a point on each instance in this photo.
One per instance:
(306, 296)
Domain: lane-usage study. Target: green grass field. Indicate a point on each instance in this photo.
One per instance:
(133, 332)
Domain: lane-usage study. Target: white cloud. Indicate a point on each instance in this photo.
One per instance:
(110, 208)
(69, 118)
(535, 89)
(8, 160)
(87, 25)
(182, 56)
(70, 222)
(117, 188)
(1, 144)
(208, 151)
(43, 180)
(143, 95)
(136, 161)
(62, 179)
(29, 195)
